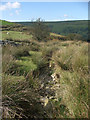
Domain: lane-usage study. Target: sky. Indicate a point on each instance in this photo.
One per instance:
(48, 11)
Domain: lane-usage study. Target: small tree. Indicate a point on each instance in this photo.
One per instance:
(41, 31)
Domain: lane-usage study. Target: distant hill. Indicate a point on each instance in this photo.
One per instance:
(3, 22)
(66, 27)
(10, 26)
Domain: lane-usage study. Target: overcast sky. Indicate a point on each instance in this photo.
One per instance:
(48, 11)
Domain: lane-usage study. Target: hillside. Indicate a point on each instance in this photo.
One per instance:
(43, 79)
(11, 26)
(61, 27)
(66, 27)
(3, 22)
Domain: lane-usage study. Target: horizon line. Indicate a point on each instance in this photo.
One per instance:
(44, 20)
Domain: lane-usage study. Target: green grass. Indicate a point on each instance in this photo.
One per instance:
(0, 35)
(57, 35)
(3, 22)
(30, 63)
(15, 36)
(26, 65)
(35, 53)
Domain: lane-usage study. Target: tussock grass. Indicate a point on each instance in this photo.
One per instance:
(74, 58)
(20, 87)
(20, 99)
(10, 55)
(71, 63)
(21, 84)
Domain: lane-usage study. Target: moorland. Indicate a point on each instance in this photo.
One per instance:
(45, 78)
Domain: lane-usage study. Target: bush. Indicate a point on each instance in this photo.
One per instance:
(74, 36)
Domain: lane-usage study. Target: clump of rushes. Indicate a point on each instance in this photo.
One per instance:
(75, 58)
(72, 65)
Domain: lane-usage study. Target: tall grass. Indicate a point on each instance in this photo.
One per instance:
(20, 92)
(72, 65)
(21, 82)
(9, 56)
(20, 99)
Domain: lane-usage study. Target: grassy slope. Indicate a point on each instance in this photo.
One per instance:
(70, 61)
(3, 22)
(14, 35)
